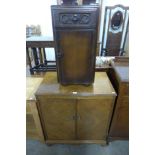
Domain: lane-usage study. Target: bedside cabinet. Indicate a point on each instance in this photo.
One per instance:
(75, 113)
(75, 33)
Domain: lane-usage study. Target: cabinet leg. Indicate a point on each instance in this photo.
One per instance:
(49, 145)
(107, 141)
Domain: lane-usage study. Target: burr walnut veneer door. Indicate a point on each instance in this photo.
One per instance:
(76, 56)
(93, 118)
(57, 118)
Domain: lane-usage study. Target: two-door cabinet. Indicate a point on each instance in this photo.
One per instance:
(75, 33)
(75, 113)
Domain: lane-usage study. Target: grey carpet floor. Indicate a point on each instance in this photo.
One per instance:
(34, 147)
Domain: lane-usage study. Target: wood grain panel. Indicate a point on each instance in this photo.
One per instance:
(121, 115)
(77, 62)
(75, 113)
(31, 131)
(37, 121)
(58, 118)
(113, 44)
(101, 87)
(94, 117)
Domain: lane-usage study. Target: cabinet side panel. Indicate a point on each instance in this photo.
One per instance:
(120, 122)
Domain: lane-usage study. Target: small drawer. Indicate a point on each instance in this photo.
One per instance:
(74, 17)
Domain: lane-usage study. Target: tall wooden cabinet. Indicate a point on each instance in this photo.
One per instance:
(75, 35)
(75, 113)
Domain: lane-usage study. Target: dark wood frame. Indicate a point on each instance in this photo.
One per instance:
(41, 65)
(104, 50)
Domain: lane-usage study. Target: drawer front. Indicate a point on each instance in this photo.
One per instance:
(74, 17)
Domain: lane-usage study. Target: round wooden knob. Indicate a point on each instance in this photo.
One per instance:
(75, 17)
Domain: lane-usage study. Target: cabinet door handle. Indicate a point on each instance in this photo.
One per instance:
(76, 117)
(60, 55)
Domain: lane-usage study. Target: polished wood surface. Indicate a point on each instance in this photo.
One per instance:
(94, 117)
(40, 41)
(58, 118)
(101, 87)
(76, 64)
(31, 131)
(119, 76)
(75, 35)
(75, 113)
(32, 84)
(37, 123)
(33, 126)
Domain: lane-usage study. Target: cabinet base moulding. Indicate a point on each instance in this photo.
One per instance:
(110, 139)
(103, 142)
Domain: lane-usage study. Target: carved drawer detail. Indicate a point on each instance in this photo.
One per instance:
(74, 18)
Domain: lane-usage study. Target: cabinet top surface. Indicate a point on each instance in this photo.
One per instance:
(123, 73)
(32, 83)
(39, 38)
(74, 6)
(101, 86)
(122, 70)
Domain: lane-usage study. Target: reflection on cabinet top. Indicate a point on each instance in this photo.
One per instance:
(101, 87)
(32, 83)
(122, 70)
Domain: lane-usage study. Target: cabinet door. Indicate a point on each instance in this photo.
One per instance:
(57, 116)
(76, 56)
(93, 118)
